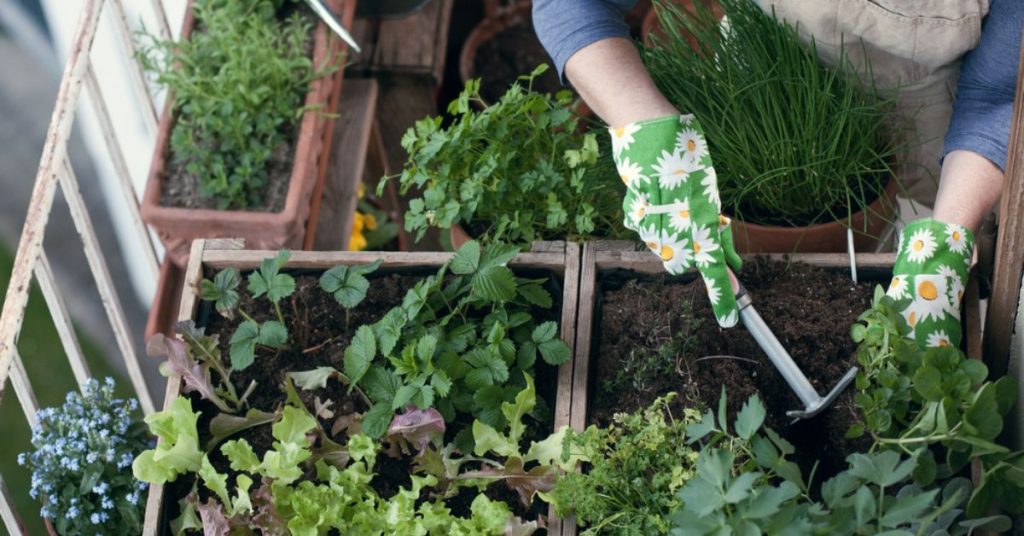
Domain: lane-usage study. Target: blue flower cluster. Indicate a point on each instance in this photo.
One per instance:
(81, 462)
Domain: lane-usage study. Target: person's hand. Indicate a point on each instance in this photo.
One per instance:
(672, 202)
(929, 277)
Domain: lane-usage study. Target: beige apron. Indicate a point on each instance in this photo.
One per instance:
(914, 47)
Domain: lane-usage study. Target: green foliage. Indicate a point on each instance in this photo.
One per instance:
(463, 346)
(348, 284)
(238, 85)
(744, 485)
(520, 169)
(267, 281)
(794, 142)
(642, 368)
(177, 452)
(637, 465)
(222, 291)
(195, 358)
(80, 451)
(936, 404)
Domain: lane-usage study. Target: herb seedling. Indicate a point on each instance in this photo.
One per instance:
(267, 281)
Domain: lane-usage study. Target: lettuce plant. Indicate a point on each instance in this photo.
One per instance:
(80, 453)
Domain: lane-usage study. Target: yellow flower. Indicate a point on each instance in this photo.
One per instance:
(361, 192)
(369, 222)
(356, 241)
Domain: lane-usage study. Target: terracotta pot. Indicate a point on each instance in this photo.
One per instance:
(493, 24)
(164, 310)
(458, 236)
(651, 25)
(868, 226)
(177, 227)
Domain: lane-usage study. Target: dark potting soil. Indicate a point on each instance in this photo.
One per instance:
(809, 309)
(321, 330)
(513, 52)
(181, 189)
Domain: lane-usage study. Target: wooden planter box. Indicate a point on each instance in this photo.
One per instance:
(601, 256)
(177, 227)
(560, 258)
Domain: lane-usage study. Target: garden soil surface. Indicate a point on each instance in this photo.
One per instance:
(809, 309)
(321, 330)
(513, 52)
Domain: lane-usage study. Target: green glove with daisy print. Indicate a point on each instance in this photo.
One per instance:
(929, 277)
(672, 202)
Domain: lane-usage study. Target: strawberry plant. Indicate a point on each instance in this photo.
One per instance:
(518, 171)
(461, 341)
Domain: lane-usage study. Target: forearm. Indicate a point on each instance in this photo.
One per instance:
(611, 78)
(968, 189)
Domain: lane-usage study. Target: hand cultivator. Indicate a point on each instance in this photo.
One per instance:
(813, 402)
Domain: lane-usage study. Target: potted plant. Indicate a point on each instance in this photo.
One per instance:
(81, 453)
(243, 129)
(650, 396)
(501, 48)
(516, 171)
(802, 151)
(329, 389)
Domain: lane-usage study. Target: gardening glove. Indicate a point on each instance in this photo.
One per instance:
(929, 277)
(672, 203)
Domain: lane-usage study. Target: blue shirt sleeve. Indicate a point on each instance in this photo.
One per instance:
(984, 96)
(566, 26)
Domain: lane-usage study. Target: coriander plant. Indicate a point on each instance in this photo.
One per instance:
(794, 142)
(518, 171)
(238, 85)
(636, 466)
(81, 451)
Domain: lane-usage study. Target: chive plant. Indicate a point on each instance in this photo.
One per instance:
(794, 142)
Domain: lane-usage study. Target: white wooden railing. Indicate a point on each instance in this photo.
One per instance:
(55, 171)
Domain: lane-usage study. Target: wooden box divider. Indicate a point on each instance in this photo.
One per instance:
(560, 258)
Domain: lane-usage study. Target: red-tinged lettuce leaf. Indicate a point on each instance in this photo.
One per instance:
(215, 523)
(418, 427)
(181, 363)
(265, 516)
(525, 483)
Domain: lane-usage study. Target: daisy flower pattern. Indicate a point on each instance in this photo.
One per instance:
(674, 253)
(710, 184)
(897, 288)
(956, 238)
(938, 339)
(713, 292)
(931, 297)
(672, 202)
(703, 245)
(691, 144)
(622, 137)
(632, 174)
(638, 209)
(673, 170)
(680, 217)
(921, 246)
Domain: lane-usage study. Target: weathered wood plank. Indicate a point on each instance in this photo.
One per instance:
(61, 319)
(348, 163)
(645, 261)
(217, 260)
(584, 331)
(570, 297)
(124, 33)
(415, 44)
(54, 152)
(12, 521)
(1009, 262)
